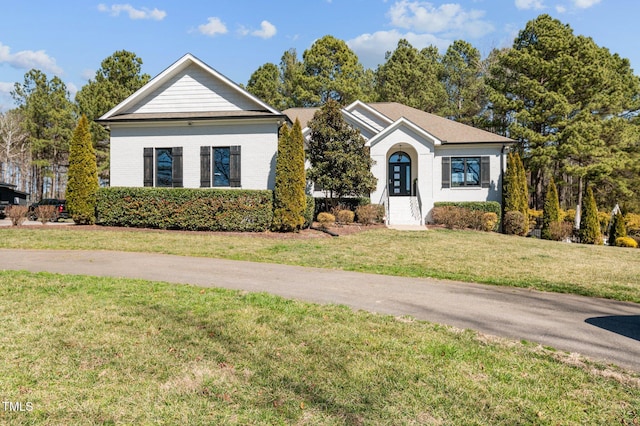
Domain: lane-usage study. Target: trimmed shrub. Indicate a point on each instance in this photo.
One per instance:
(45, 213)
(515, 223)
(324, 204)
(489, 221)
(626, 242)
(569, 216)
(369, 214)
(462, 220)
(560, 231)
(309, 211)
(326, 219)
(186, 208)
(17, 214)
(345, 216)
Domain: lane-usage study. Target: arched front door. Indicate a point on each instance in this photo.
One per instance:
(399, 174)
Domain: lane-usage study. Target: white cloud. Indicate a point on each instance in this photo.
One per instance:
(450, 18)
(267, 30)
(213, 27)
(6, 101)
(561, 9)
(143, 13)
(28, 59)
(371, 48)
(585, 4)
(529, 4)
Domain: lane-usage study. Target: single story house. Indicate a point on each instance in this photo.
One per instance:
(192, 127)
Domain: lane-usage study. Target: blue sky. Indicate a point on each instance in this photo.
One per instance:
(70, 38)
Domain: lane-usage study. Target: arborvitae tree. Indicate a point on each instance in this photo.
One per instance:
(289, 194)
(522, 187)
(589, 224)
(516, 195)
(83, 175)
(551, 212)
(618, 228)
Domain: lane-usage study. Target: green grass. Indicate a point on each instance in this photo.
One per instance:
(610, 272)
(86, 350)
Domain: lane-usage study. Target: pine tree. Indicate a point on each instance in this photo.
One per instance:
(289, 194)
(589, 224)
(618, 228)
(83, 175)
(551, 212)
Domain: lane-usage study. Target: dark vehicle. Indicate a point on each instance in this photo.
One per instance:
(60, 211)
(9, 196)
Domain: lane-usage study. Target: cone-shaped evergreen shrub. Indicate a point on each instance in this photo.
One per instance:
(516, 193)
(589, 224)
(551, 212)
(618, 229)
(82, 186)
(289, 196)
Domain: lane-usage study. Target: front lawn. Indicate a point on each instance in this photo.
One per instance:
(84, 350)
(610, 272)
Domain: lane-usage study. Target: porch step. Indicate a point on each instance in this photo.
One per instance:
(401, 211)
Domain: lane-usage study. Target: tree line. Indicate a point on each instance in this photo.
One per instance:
(572, 105)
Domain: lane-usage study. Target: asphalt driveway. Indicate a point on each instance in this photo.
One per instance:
(601, 329)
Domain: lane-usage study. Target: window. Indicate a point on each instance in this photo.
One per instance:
(465, 172)
(219, 166)
(164, 167)
(165, 164)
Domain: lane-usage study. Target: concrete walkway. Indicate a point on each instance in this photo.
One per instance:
(602, 329)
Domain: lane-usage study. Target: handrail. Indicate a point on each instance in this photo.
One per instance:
(384, 200)
(417, 209)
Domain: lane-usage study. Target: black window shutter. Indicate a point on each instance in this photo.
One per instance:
(148, 166)
(485, 178)
(234, 166)
(205, 166)
(176, 166)
(446, 172)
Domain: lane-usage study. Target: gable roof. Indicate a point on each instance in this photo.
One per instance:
(189, 89)
(445, 130)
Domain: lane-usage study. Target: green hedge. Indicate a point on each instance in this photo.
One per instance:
(186, 208)
(484, 206)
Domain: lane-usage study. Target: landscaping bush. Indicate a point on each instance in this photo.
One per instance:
(345, 217)
(454, 216)
(326, 219)
(185, 208)
(17, 214)
(569, 216)
(369, 214)
(560, 231)
(309, 211)
(626, 242)
(324, 204)
(515, 223)
(45, 213)
(483, 206)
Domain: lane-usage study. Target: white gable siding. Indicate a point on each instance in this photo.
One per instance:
(259, 144)
(371, 119)
(193, 90)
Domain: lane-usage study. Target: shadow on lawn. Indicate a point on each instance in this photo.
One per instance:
(624, 325)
